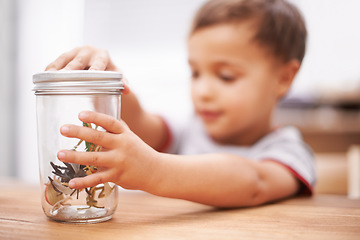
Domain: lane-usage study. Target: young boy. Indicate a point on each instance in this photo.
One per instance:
(244, 55)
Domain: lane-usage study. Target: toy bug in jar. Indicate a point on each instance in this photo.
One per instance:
(57, 191)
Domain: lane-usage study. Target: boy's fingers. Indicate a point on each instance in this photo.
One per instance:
(100, 61)
(90, 135)
(107, 122)
(89, 181)
(81, 58)
(62, 60)
(126, 87)
(80, 61)
(98, 159)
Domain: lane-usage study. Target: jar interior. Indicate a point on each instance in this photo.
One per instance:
(59, 201)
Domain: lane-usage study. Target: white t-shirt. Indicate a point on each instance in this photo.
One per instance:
(283, 145)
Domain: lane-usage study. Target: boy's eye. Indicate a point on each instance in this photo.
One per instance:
(227, 77)
(194, 74)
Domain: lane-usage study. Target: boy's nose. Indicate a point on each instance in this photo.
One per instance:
(204, 90)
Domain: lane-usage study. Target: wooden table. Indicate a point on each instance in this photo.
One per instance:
(143, 216)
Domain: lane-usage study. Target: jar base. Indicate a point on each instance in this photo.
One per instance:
(80, 214)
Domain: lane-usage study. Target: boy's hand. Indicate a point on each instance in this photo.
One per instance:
(86, 58)
(126, 160)
(83, 58)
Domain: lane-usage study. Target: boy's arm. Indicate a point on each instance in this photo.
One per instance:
(149, 127)
(222, 180)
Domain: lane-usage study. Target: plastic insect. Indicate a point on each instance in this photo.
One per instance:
(65, 174)
(70, 171)
(57, 191)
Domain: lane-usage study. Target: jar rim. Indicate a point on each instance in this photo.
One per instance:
(77, 79)
(75, 75)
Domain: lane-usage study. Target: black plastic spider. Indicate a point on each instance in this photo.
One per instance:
(69, 172)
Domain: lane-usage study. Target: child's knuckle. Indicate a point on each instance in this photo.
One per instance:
(102, 57)
(100, 179)
(62, 58)
(98, 137)
(113, 123)
(94, 160)
(79, 60)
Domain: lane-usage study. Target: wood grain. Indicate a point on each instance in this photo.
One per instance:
(143, 216)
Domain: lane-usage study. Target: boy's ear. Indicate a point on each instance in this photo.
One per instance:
(287, 75)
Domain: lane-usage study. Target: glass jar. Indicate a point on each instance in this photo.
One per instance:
(60, 96)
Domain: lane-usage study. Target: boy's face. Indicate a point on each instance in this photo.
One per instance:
(234, 83)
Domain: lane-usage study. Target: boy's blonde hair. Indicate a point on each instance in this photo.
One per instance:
(279, 25)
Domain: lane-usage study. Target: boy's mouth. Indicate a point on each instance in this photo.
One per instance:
(208, 115)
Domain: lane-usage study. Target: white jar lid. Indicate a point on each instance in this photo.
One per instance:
(77, 80)
(77, 75)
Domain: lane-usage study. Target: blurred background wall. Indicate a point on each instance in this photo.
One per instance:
(147, 40)
(41, 30)
(8, 24)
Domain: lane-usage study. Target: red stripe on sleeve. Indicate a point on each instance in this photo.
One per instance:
(305, 188)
